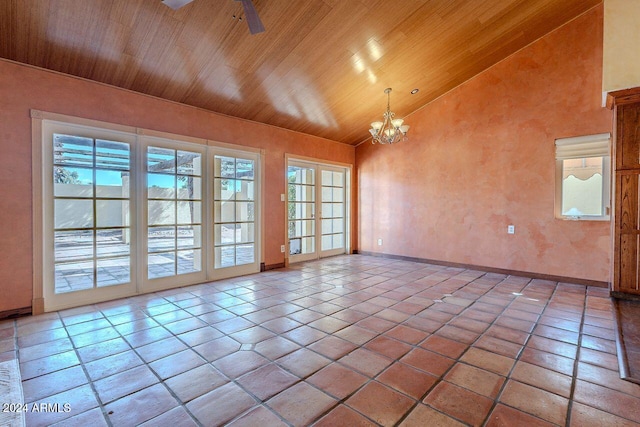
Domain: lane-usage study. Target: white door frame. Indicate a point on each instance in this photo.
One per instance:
(318, 166)
(51, 299)
(44, 125)
(243, 269)
(146, 284)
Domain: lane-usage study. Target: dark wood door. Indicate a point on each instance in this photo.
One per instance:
(626, 232)
(627, 201)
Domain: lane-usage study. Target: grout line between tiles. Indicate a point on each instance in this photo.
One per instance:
(307, 276)
(160, 380)
(90, 382)
(518, 356)
(576, 363)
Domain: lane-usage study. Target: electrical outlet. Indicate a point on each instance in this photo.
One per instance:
(282, 248)
(511, 229)
(379, 242)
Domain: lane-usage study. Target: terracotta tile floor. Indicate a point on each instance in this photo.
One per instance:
(351, 340)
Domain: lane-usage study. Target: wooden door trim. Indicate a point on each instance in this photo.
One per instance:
(622, 97)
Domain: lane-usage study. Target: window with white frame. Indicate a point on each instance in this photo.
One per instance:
(583, 177)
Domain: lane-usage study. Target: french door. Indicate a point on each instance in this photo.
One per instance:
(316, 210)
(88, 223)
(172, 214)
(236, 211)
(125, 214)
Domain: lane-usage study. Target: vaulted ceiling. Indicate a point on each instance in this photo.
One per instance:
(320, 67)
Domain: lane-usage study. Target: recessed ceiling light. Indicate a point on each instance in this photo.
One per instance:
(413, 92)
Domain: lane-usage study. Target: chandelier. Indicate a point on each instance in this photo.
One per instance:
(390, 130)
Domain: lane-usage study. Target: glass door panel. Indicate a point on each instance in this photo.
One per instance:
(174, 212)
(316, 210)
(333, 202)
(234, 212)
(301, 212)
(91, 213)
(89, 230)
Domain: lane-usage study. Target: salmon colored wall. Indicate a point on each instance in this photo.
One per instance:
(23, 88)
(482, 157)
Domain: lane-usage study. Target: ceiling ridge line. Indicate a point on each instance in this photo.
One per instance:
(494, 65)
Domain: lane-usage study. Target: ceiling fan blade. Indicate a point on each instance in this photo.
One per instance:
(250, 14)
(176, 4)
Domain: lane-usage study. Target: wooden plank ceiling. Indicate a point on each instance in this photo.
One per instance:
(320, 67)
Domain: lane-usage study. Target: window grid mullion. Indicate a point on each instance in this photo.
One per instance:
(95, 215)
